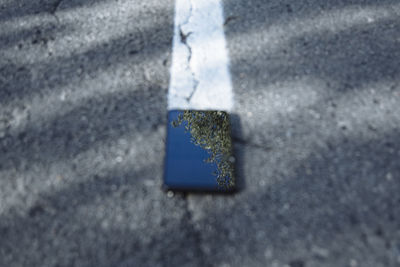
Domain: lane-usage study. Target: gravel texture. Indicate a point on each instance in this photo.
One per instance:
(83, 87)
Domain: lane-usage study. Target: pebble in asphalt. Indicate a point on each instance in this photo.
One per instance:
(83, 88)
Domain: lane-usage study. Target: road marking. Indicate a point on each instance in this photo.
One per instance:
(200, 77)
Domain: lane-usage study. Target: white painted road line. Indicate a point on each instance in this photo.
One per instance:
(200, 76)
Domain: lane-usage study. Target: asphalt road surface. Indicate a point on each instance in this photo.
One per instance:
(83, 103)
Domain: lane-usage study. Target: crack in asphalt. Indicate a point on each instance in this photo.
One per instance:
(196, 233)
(241, 141)
(55, 8)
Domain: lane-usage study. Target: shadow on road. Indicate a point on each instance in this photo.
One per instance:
(342, 193)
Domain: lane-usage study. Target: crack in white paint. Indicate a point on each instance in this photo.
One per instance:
(200, 77)
(196, 82)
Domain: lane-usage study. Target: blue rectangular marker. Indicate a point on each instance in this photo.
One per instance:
(199, 152)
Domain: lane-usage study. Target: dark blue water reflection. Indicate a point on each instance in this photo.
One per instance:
(200, 156)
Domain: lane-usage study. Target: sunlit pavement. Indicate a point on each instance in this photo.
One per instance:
(83, 104)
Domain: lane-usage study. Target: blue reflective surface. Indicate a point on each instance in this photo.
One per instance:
(186, 166)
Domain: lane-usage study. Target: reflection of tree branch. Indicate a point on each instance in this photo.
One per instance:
(211, 131)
